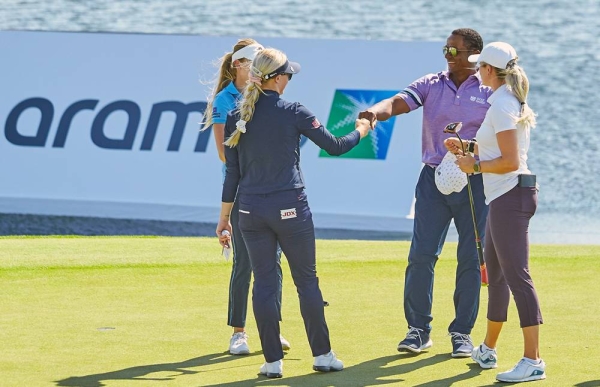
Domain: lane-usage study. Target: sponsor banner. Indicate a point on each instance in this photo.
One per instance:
(344, 110)
(107, 125)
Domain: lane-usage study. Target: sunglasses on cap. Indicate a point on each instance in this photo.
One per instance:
(288, 68)
(452, 50)
(273, 75)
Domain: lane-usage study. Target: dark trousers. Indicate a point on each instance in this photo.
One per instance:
(433, 213)
(283, 217)
(507, 256)
(241, 272)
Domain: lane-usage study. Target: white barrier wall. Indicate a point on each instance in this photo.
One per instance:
(107, 125)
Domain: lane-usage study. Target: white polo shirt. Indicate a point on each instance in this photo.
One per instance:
(502, 115)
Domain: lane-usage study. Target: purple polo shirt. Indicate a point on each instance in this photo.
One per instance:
(442, 104)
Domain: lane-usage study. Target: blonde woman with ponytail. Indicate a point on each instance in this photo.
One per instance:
(232, 78)
(254, 89)
(511, 192)
(263, 167)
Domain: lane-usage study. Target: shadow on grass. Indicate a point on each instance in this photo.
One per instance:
(138, 373)
(474, 370)
(590, 383)
(367, 373)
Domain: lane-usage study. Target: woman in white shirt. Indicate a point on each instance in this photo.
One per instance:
(511, 193)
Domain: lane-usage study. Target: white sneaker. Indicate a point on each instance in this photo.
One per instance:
(285, 345)
(328, 362)
(272, 370)
(486, 358)
(238, 345)
(524, 371)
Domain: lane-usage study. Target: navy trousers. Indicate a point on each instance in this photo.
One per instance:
(433, 213)
(241, 272)
(283, 217)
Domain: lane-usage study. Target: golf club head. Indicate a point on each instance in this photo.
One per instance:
(453, 127)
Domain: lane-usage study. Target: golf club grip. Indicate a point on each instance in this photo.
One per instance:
(480, 252)
(484, 276)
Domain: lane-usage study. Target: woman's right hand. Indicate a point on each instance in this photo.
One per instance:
(363, 126)
(224, 232)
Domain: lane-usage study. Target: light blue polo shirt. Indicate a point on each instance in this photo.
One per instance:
(224, 102)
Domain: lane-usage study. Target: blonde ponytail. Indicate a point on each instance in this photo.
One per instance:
(517, 81)
(246, 109)
(267, 61)
(518, 84)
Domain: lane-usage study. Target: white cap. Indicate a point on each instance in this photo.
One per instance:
(249, 52)
(448, 176)
(497, 54)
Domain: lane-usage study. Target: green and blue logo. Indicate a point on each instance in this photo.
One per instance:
(344, 111)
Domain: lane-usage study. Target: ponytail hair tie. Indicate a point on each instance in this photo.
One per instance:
(254, 79)
(241, 126)
(255, 71)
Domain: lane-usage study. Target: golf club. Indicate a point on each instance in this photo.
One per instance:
(454, 128)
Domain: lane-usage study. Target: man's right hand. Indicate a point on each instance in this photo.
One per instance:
(369, 116)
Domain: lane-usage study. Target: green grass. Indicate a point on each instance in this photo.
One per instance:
(166, 299)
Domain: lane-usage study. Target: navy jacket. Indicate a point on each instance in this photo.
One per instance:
(267, 157)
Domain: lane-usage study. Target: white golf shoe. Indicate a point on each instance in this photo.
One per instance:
(285, 345)
(238, 345)
(484, 356)
(272, 370)
(524, 371)
(327, 362)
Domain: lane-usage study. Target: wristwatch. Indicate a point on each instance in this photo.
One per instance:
(476, 167)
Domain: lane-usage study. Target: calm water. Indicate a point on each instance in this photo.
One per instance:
(557, 42)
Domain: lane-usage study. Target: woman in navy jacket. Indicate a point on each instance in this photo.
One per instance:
(263, 166)
(232, 78)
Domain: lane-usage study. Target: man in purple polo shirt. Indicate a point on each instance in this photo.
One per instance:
(448, 96)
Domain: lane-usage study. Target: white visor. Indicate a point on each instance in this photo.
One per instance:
(248, 52)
